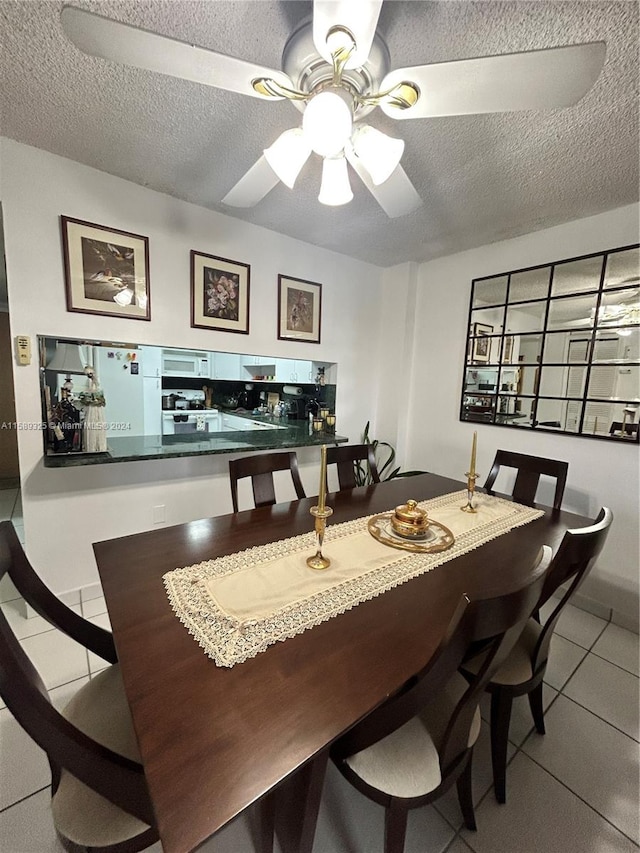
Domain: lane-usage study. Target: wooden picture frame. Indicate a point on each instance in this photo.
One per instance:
(299, 309)
(507, 355)
(481, 350)
(219, 293)
(106, 270)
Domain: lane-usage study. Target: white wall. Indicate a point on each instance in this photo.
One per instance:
(600, 472)
(65, 510)
(398, 336)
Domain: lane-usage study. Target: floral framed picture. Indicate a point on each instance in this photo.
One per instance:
(299, 309)
(219, 293)
(481, 342)
(106, 270)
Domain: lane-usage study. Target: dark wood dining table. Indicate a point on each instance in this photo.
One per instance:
(215, 740)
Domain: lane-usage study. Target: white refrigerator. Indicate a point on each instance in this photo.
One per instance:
(120, 375)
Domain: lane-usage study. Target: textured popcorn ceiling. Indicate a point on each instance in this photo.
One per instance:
(482, 178)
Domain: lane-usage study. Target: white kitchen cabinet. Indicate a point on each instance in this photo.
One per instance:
(294, 370)
(152, 405)
(285, 370)
(226, 365)
(304, 372)
(257, 365)
(151, 358)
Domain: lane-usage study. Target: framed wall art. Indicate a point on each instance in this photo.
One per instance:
(299, 309)
(481, 343)
(507, 356)
(219, 293)
(106, 270)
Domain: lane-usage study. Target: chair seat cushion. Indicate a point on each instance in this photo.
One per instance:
(406, 763)
(517, 668)
(100, 710)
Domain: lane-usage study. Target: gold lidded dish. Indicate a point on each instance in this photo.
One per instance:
(410, 521)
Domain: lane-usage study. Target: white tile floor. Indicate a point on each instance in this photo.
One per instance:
(575, 790)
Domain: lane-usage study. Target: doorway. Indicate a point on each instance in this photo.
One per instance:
(10, 504)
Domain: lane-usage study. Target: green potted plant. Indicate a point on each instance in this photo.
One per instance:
(385, 464)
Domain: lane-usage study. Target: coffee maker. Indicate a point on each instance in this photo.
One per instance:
(295, 408)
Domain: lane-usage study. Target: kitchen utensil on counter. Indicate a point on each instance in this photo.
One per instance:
(208, 393)
(272, 401)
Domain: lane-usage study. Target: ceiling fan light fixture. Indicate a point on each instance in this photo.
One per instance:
(380, 154)
(288, 154)
(335, 188)
(327, 123)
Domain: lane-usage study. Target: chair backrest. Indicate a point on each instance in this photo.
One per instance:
(573, 561)
(115, 777)
(260, 468)
(529, 470)
(349, 459)
(496, 623)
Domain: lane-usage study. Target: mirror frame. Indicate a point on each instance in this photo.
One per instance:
(495, 349)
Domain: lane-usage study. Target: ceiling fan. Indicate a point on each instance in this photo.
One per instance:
(336, 70)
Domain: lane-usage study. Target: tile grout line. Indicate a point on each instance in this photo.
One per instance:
(593, 714)
(582, 800)
(15, 502)
(26, 797)
(613, 663)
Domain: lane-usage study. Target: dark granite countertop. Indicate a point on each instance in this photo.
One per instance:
(143, 447)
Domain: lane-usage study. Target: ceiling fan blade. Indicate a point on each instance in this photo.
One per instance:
(396, 196)
(536, 79)
(361, 19)
(122, 43)
(253, 186)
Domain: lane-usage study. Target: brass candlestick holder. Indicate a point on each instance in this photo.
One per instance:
(318, 561)
(471, 487)
(321, 513)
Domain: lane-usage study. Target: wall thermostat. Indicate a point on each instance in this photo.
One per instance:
(23, 349)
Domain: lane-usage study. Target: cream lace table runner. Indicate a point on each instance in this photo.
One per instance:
(236, 606)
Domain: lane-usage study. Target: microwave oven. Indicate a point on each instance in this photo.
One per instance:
(181, 363)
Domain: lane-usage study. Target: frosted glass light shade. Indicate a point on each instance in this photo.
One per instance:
(380, 154)
(67, 359)
(335, 188)
(288, 154)
(327, 124)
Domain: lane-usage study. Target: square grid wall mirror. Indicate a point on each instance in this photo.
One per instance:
(556, 347)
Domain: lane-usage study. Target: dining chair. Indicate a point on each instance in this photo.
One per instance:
(523, 670)
(348, 459)
(99, 796)
(261, 467)
(411, 750)
(528, 477)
